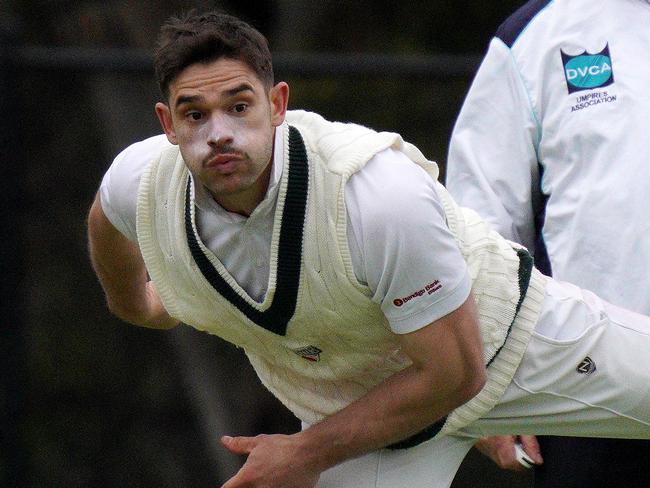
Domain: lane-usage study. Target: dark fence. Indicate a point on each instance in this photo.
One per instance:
(441, 66)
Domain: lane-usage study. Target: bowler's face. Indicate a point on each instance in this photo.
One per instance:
(223, 120)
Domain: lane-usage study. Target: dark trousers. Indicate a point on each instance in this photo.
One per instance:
(571, 462)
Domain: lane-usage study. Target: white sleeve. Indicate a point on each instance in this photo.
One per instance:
(400, 244)
(119, 188)
(492, 163)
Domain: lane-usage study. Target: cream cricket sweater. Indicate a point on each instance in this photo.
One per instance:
(317, 341)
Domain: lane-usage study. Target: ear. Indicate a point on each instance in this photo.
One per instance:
(165, 117)
(279, 96)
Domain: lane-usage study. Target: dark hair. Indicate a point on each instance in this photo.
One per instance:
(205, 37)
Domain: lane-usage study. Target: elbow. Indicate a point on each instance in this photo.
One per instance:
(124, 312)
(142, 317)
(130, 312)
(471, 384)
(475, 383)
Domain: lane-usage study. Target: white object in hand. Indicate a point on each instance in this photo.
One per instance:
(522, 457)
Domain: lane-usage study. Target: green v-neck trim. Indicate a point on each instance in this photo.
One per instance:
(277, 316)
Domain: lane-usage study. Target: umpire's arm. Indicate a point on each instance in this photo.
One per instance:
(121, 271)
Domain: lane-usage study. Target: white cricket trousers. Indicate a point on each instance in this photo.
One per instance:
(585, 373)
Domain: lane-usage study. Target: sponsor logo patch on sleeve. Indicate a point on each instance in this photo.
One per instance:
(429, 289)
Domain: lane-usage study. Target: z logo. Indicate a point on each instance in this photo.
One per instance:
(586, 366)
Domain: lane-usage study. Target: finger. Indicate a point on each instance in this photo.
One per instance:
(237, 481)
(233, 482)
(531, 447)
(239, 445)
(501, 449)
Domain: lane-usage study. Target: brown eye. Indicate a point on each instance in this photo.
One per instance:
(240, 108)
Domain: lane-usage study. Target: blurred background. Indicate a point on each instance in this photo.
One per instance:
(85, 399)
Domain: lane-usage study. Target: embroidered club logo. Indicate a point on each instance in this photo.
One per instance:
(587, 71)
(310, 353)
(586, 366)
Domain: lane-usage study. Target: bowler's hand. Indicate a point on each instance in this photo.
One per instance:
(501, 449)
(274, 461)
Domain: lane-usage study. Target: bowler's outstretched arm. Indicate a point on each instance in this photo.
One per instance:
(447, 371)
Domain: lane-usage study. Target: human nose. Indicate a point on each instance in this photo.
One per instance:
(220, 131)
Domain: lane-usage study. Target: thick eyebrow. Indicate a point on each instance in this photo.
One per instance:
(238, 89)
(188, 99)
(227, 94)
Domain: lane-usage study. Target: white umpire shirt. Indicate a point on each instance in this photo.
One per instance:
(555, 125)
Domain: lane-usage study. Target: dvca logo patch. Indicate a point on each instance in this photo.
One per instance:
(587, 71)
